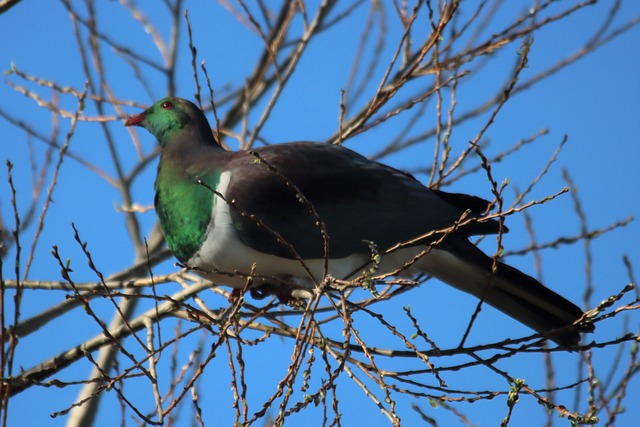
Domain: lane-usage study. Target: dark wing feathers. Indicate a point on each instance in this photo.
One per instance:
(475, 204)
(358, 200)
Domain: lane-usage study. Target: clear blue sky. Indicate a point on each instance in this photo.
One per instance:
(594, 102)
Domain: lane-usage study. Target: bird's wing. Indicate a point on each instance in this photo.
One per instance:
(357, 200)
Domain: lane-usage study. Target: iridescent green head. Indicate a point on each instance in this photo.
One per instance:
(170, 117)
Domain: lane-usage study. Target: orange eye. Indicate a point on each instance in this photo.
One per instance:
(167, 105)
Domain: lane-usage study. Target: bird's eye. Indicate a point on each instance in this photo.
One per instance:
(167, 105)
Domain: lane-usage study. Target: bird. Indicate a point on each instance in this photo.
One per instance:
(296, 213)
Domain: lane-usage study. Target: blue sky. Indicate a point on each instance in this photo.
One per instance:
(593, 102)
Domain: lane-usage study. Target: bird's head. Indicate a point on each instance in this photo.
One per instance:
(170, 117)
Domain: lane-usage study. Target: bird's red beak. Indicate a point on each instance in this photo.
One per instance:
(135, 120)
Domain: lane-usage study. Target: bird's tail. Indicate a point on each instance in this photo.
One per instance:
(461, 264)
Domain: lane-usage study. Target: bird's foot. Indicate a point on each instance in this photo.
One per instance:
(259, 293)
(287, 289)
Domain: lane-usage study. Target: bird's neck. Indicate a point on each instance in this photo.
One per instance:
(184, 197)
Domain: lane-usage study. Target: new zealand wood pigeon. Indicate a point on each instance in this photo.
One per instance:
(288, 207)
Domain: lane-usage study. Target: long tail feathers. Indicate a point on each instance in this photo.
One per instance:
(461, 264)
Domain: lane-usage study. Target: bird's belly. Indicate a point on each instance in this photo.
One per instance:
(226, 260)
